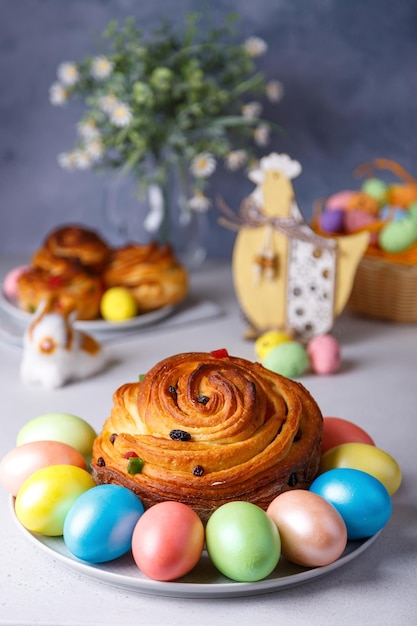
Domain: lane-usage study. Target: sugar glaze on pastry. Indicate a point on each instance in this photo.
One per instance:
(209, 430)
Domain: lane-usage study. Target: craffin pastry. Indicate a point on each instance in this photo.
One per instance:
(210, 430)
(72, 245)
(73, 289)
(150, 272)
(66, 270)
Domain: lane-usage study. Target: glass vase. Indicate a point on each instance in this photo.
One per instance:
(158, 213)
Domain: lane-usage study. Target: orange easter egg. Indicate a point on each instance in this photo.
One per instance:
(402, 195)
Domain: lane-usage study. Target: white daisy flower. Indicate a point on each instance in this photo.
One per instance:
(88, 130)
(199, 202)
(68, 74)
(274, 91)
(95, 149)
(67, 161)
(251, 110)
(261, 135)
(236, 159)
(107, 103)
(203, 165)
(255, 46)
(121, 115)
(83, 160)
(101, 68)
(58, 95)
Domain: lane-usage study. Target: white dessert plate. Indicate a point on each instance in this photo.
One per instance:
(203, 582)
(99, 325)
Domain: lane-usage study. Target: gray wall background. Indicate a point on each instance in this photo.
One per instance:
(349, 68)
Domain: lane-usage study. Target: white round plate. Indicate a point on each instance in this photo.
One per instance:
(99, 325)
(203, 582)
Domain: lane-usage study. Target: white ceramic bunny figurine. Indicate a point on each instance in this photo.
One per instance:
(54, 352)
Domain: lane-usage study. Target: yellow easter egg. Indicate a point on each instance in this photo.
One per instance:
(366, 458)
(117, 304)
(269, 340)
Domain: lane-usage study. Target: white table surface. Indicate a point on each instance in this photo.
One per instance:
(376, 388)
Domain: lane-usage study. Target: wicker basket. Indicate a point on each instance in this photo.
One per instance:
(385, 290)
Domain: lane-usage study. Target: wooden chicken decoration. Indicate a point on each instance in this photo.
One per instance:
(286, 276)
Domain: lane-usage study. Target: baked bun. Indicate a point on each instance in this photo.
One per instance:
(75, 245)
(71, 290)
(150, 272)
(210, 430)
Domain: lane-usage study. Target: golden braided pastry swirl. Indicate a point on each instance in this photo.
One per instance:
(247, 434)
(75, 290)
(72, 244)
(150, 272)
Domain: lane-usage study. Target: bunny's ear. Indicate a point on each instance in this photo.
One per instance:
(72, 316)
(41, 308)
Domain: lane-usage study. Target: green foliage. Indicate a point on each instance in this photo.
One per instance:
(182, 94)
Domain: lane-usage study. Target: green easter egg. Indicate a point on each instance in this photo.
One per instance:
(289, 359)
(412, 209)
(399, 235)
(375, 188)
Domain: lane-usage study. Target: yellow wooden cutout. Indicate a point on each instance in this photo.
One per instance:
(264, 278)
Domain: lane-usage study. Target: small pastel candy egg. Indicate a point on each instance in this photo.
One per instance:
(45, 498)
(99, 525)
(324, 354)
(398, 236)
(289, 359)
(118, 304)
(168, 541)
(376, 188)
(10, 282)
(269, 340)
(332, 221)
(242, 542)
(360, 201)
(367, 458)
(337, 431)
(338, 200)
(357, 220)
(23, 461)
(402, 194)
(362, 500)
(63, 427)
(412, 210)
(312, 531)
(392, 213)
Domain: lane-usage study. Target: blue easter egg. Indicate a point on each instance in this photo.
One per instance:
(99, 527)
(393, 213)
(361, 499)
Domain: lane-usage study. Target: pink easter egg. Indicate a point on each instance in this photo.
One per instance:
(10, 281)
(338, 200)
(324, 354)
(357, 220)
